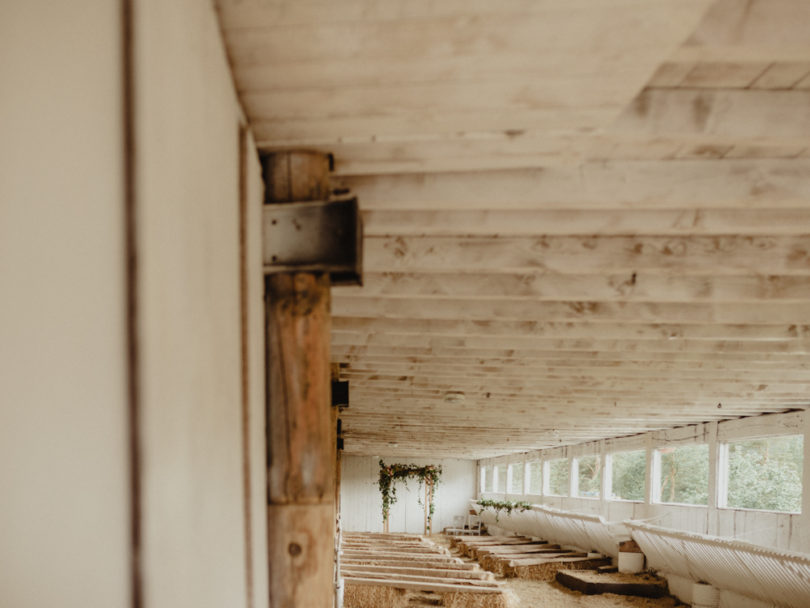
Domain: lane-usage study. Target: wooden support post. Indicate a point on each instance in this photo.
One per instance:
(300, 444)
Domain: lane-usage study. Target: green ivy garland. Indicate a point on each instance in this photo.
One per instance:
(502, 505)
(429, 474)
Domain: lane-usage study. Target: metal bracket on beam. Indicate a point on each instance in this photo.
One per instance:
(317, 236)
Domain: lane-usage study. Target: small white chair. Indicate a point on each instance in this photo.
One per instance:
(473, 522)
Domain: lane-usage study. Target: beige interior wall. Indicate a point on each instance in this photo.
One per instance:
(187, 133)
(64, 509)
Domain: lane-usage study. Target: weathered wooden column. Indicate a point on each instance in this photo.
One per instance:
(301, 456)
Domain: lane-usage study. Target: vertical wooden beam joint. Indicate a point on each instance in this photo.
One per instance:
(301, 456)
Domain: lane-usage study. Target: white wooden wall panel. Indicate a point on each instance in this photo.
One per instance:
(64, 511)
(360, 501)
(767, 528)
(188, 212)
(256, 376)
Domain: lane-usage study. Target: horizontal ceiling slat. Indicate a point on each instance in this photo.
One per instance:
(655, 184)
(525, 368)
(676, 255)
(278, 13)
(608, 351)
(651, 26)
(775, 221)
(628, 287)
(720, 112)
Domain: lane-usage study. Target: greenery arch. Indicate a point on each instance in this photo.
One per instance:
(428, 476)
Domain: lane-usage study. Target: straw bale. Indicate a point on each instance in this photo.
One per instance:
(548, 571)
(374, 596)
(468, 599)
(495, 563)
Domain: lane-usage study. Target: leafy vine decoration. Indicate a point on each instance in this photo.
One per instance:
(503, 505)
(390, 473)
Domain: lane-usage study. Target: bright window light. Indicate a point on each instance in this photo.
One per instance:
(489, 481)
(516, 478)
(501, 478)
(536, 478)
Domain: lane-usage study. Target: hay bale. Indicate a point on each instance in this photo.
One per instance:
(468, 599)
(496, 564)
(374, 596)
(547, 572)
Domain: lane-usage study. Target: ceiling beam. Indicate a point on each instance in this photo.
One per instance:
(775, 221)
(603, 185)
(625, 287)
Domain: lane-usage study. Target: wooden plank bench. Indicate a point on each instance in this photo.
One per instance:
(382, 571)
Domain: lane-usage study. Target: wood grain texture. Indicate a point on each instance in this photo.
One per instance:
(301, 557)
(299, 416)
(610, 232)
(301, 452)
(644, 184)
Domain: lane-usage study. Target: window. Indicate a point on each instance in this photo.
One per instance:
(536, 478)
(482, 480)
(765, 473)
(489, 481)
(516, 478)
(500, 478)
(628, 473)
(557, 477)
(588, 476)
(684, 474)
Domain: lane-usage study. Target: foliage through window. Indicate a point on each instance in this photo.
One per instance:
(536, 477)
(501, 478)
(516, 478)
(558, 477)
(684, 474)
(766, 473)
(628, 474)
(589, 476)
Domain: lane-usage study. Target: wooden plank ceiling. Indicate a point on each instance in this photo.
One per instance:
(591, 217)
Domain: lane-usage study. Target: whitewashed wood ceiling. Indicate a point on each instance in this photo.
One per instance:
(592, 217)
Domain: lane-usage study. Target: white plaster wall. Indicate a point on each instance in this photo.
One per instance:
(360, 501)
(64, 510)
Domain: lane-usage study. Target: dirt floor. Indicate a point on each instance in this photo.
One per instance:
(535, 594)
